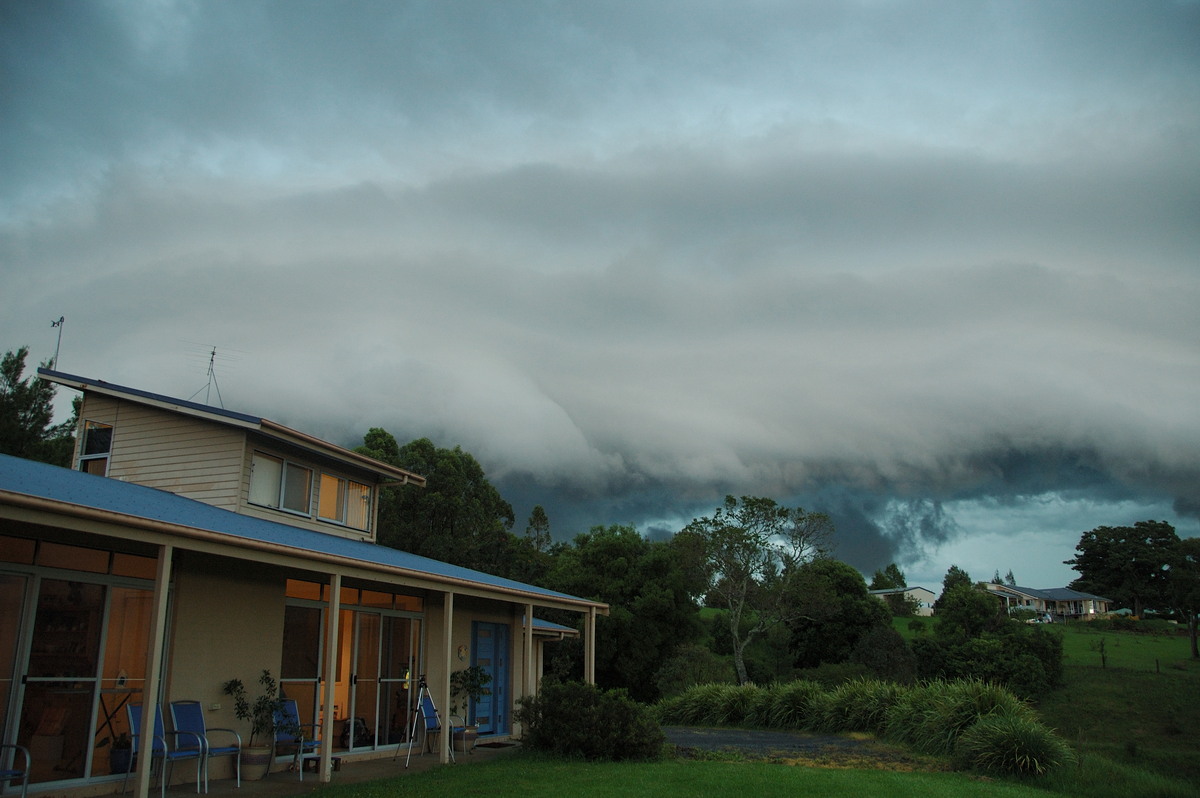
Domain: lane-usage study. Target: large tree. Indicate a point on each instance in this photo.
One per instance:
(753, 549)
(834, 612)
(458, 517)
(1183, 586)
(650, 590)
(26, 413)
(1128, 564)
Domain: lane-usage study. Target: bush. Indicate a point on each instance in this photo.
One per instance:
(795, 705)
(1011, 744)
(577, 720)
(886, 653)
(860, 705)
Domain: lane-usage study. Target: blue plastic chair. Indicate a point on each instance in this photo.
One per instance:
(290, 733)
(9, 772)
(188, 719)
(160, 752)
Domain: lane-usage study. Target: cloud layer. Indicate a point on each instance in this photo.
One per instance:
(933, 269)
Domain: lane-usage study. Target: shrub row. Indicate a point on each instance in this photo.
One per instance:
(982, 725)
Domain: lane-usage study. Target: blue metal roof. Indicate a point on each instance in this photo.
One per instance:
(78, 488)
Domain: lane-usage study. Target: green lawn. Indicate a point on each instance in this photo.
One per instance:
(1141, 710)
(530, 776)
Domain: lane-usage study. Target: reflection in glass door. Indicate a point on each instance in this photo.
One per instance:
(397, 678)
(61, 679)
(12, 613)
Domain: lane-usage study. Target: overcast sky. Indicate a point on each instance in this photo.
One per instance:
(931, 267)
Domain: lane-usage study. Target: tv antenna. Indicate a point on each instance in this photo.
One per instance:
(58, 346)
(212, 381)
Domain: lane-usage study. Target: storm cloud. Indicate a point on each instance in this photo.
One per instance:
(931, 268)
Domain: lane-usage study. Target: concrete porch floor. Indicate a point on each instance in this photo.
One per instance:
(285, 783)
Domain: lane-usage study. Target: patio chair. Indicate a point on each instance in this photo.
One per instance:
(11, 771)
(161, 752)
(188, 719)
(431, 719)
(290, 733)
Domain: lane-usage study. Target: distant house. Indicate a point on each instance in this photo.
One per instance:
(190, 545)
(1060, 603)
(922, 596)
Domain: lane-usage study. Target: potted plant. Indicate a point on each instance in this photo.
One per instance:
(467, 686)
(262, 713)
(121, 754)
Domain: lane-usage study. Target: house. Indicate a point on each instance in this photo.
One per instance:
(191, 545)
(920, 596)
(1060, 603)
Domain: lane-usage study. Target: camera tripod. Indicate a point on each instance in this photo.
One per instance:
(425, 710)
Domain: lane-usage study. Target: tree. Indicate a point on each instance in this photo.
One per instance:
(955, 576)
(833, 611)
(537, 531)
(1128, 564)
(652, 610)
(753, 549)
(968, 612)
(26, 413)
(1183, 586)
(458, 517)
(889, 578)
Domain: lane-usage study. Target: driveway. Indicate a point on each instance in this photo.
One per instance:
(829, 750)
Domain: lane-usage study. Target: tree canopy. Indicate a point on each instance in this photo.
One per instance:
(833, 612)
(650, 592)
(26, 413)
(459, 517)
(752, 549)
(1128, 564)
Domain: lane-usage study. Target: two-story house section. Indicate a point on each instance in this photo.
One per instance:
(239, 462)
(188, 545)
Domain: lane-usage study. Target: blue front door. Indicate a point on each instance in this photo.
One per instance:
(490, 652)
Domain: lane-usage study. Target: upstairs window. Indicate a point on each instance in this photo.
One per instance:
(97, 446)
(275, 482)
(344, 501)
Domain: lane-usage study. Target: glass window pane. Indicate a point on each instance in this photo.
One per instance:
(332, 503)
(266, 473)
(134, 565)
(16, 550)
(301, 643)
(75, 558)
(97, 439)
(297, 588)
(297, 488)
(358, 506)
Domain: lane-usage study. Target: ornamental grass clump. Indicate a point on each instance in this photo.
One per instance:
(859, 705)
(795, 705)
(1005, 743)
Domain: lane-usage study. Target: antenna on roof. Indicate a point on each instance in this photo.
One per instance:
(212, 381)
(58, 346)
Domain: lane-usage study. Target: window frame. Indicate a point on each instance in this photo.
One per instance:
(87, 459)
(346, 491)
(281, 486)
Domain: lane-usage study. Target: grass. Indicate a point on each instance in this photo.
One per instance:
(530, 776)
(1132, 716)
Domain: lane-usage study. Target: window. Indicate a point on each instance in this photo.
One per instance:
(97, 445)
(275, 482)
(344, 501)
